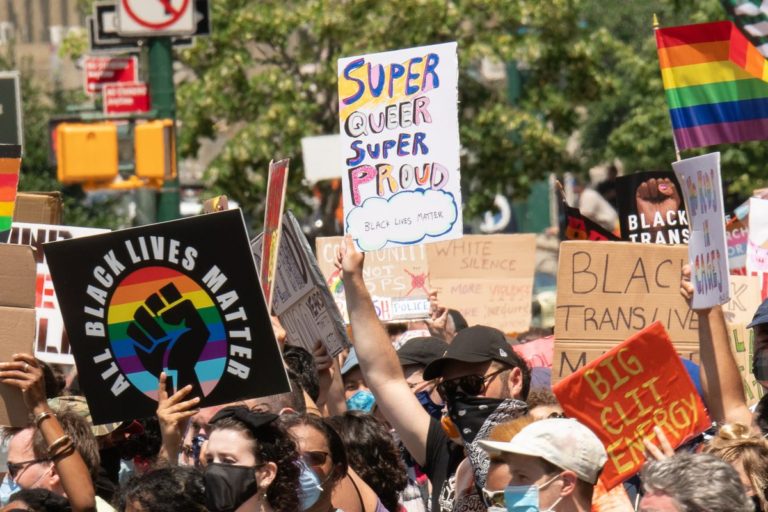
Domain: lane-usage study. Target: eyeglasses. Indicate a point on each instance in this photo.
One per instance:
(315, 458)
(14, 468)
(493, 498)
(471, 385)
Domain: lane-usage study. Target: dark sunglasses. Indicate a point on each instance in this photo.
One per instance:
(14, 468)
(470, 385)
(315, 458)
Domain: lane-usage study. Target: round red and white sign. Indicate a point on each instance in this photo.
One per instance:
(156, 14)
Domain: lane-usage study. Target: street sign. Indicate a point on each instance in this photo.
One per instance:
(11, 127)
(119, 46)
(125, 98)
(149, 18)
(105, 70)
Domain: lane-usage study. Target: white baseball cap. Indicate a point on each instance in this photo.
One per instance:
(566, 443)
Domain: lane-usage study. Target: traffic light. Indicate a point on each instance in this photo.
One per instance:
(155, 149)
(86, 152)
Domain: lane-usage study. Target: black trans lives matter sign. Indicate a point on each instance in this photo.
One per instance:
(181, 297)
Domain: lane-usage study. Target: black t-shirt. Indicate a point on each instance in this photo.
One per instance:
(443, 457)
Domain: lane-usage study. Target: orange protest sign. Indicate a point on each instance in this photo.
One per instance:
(622, 395)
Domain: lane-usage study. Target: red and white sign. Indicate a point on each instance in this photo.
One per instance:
(108, 70)
(126, 98)
(156, 17)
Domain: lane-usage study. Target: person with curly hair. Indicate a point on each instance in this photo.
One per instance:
(170, 489)
(251, 464)
(372, 453)
(748, 454)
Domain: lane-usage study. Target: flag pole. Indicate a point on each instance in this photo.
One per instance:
(656, 26)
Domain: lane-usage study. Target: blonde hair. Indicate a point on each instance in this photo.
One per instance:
(736, 443)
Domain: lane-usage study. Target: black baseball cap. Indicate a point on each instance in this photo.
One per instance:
(422, 350)
(476, 344)
(761, 315)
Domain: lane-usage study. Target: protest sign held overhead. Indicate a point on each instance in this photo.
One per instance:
(707, 248)
(301, 299)
(398, 115)
(737, 235)
(52, 345)
(10, 165)
(757, 245)
(651, 209)
(397, 279)
(621, 396)
(489, 278)
(738, 312)
(273, 218)
(176, 297)
(607, 292)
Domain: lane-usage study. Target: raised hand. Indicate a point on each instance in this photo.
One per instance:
(175, 344)
(173, 414)
(24, 373)
(348, 259)
(657, 195)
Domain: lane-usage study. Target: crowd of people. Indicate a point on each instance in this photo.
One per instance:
(445, 422)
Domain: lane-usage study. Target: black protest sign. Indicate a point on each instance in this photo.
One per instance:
(181, 297)
(651, 208)
(301, 299)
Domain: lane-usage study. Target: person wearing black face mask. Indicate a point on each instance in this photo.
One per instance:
(478, 361)
(251, 464)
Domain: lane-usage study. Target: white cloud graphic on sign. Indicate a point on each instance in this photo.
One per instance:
(405, 218)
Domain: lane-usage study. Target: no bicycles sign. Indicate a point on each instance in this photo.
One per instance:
(156, 17)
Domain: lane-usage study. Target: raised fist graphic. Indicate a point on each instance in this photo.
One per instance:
(658, 196)
(176, 345)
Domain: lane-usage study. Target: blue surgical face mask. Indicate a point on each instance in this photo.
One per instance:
(309, 485)
(7, 488)
(363, 400)
(525, 498)
(434, 410)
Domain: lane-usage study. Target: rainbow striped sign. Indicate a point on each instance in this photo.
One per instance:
(10, 165)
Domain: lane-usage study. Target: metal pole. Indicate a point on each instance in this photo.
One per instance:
(163, 97)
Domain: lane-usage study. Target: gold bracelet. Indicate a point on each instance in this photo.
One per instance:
(65, 451)
(42, 416)
(54, 446)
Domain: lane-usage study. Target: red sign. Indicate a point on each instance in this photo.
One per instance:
(108, 70)
(125, 98)
(622, 395)
(273, 219)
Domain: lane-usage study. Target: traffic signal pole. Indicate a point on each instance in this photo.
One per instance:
(163, 97)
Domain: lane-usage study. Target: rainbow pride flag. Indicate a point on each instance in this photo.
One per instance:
(715, 83)
(10, 164)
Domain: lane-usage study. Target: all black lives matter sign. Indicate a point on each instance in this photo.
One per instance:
(181, 297)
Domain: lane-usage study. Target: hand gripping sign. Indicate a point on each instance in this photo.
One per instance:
(621, 396)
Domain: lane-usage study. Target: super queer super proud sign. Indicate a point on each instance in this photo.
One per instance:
(398, 115)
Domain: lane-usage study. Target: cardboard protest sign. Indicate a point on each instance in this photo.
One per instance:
(606, 292)
(488, 278)
(757, 246)
(397, 279)
(622, 395)
(745, 298)
(301, 299)
(273, 218)
(707, 249)
(398, 114)
(10, 165)
(737, 235)
(176, 297)
(651, 209)
(52, 343)
(17, 323)
(216, 204)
